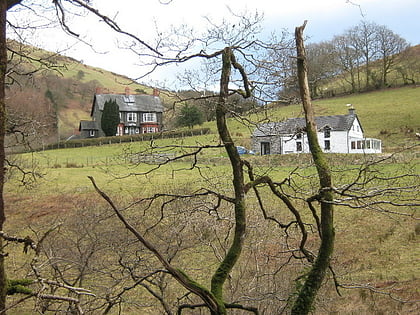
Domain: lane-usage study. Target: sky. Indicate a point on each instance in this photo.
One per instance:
(326, 18)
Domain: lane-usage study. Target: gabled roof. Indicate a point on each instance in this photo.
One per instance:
(294, 125)
(88, 125)
(130, 103)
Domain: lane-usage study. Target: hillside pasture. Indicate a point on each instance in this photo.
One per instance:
(376, 247)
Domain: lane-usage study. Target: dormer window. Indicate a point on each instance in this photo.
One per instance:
(129, 99)
(327, 132)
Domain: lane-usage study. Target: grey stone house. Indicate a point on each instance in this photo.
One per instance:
(139, 113)
(336, 134)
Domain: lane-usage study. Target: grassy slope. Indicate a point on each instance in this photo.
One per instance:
(389, 256)
(71, 116)
(407, 62)
(392, 115)
(75, 108)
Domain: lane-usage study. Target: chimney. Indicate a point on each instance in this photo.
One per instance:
(156, 92)
(352, 111)
(127, 91)
(98, 90)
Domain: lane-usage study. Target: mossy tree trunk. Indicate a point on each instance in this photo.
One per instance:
(313, 281)
(3, 68)
(235, 249)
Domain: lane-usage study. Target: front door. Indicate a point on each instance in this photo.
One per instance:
(265, 148)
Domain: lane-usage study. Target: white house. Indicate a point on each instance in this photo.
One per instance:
(336, 134)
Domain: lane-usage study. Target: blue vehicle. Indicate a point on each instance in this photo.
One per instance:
(243, 150)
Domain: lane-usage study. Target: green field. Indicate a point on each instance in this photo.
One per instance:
(376, 246)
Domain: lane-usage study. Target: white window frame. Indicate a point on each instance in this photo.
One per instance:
(150, 129)
(131, 117)
(149, 117)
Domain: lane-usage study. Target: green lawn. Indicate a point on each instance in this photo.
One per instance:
(371, 247)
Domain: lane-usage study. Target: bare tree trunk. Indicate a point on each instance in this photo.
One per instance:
(313, 281)
(235, 249)
(3, 68)
(4, 6)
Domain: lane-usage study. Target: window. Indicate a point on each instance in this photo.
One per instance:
(327, 145)
(298, 146)
(131, 117)
(327, 132)
(149, 117)
(353, 145)
(91, 133)
(131, 130)
(149, 129)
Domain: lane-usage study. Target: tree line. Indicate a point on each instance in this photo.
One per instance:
(360, 59)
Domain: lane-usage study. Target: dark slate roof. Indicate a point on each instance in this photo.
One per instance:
(293, 125)
(88, 125)
(130, 103)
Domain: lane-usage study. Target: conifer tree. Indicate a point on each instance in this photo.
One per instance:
(189, 116)
(110, 118)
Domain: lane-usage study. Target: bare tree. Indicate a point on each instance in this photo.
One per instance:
(390, 45)
(3, 67)
(246, 180)
(316, 275)
(364, 40)
(347, 61)
(409, 69)
(213, 298)
(322, 66)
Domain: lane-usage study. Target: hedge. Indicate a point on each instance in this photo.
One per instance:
(77, 143)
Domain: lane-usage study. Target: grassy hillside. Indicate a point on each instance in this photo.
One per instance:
(405, 70)
(63, 83)
(375, 250)
(64, 196)
(391, 115)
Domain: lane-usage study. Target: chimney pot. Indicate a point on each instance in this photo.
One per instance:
(127, 91)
